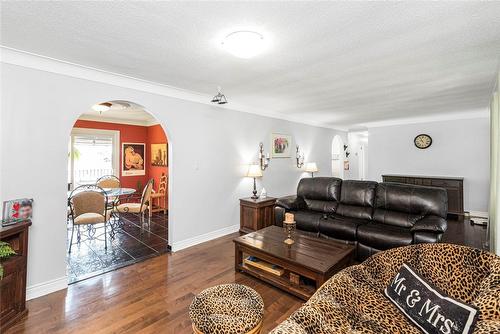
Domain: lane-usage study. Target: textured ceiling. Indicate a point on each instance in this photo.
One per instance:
(121, 112)
(335, 63)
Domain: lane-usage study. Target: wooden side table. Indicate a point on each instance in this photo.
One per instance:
(255, 214)
(13, 284)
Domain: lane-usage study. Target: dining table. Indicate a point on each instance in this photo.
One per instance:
(115, 192)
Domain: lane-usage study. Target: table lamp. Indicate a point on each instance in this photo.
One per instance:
(255, 172)
(311, 168)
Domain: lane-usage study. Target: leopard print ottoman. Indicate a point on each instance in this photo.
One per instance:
(227, 309)
(352, 301)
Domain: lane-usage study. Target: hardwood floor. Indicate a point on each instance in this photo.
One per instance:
(154, 296)
(149, 297)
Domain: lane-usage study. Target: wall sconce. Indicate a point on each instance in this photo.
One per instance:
(300, 158)
(346, 151)
(263, 158)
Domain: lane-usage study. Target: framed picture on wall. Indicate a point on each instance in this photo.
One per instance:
(281, 145)
(159, 155)
(133, 155)
(346, 164)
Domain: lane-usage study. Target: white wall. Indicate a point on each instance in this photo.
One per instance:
(459, 148)
(209, 149)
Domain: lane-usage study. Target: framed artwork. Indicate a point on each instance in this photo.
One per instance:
(133, 159)
(17, 210)
(159, 156)
(346, 164)
(281, 145)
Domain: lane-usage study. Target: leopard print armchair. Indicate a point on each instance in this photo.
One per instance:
(352, 301)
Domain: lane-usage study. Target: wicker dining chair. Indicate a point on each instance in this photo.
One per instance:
(140, 208)
(108, 181)
(88, 206)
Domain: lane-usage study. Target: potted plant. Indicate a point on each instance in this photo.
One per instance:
(5, 252)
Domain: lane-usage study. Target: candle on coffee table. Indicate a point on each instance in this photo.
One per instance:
(289, 218)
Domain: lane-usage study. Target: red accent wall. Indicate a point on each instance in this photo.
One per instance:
(134, 134)
(156, 135)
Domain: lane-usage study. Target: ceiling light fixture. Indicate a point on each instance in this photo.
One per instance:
(244, 44)
(219, 98)
(101, 107)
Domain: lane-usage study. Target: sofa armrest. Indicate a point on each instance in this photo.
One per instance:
(279, 216)
(291, 202)
(430, 224)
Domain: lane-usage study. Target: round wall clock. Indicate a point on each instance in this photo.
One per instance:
(422, 141)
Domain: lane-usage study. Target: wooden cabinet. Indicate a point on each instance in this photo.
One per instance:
(255, 214)
(13, 284)
(454, 187)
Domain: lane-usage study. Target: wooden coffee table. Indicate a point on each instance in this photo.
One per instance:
(299, 269)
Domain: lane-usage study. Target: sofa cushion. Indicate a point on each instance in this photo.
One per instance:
(320, 193)
(381, 236)
(403, 205)
(357, 199)
(340, 227)
(352, 300)
(308, 220)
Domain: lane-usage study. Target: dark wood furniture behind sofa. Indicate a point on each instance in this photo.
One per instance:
(454, 187)
(13, 284)
(256, 213)
(304, 266)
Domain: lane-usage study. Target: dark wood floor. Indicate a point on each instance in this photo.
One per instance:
(133, 242)
(153, 296)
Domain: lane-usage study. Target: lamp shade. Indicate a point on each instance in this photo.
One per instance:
(311, 167)
(254, 171)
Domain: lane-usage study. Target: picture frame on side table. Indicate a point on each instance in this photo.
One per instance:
(17, 210)
(281, 145)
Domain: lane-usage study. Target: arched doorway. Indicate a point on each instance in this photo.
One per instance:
(338, 157)
(120, 141)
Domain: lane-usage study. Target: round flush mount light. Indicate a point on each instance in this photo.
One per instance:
(101, 107)
(244, 43)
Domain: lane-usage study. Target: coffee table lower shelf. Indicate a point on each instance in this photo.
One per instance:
(302, 291)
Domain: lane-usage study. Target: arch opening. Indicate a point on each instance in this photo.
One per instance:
(338, 157)
(124, 149)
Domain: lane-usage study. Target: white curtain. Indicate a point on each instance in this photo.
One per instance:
(494, 207)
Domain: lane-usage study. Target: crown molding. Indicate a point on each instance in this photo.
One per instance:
(472, 114)
(39, 62)
(95, 118)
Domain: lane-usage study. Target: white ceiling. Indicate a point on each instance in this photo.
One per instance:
(125, 112)
(340, 64)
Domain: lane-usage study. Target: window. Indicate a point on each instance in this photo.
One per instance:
(92, 153)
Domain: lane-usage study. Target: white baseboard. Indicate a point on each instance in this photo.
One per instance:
(42, 289)
(177, 246)
(478, 214)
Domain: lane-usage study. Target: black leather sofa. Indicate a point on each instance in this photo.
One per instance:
(373, 216)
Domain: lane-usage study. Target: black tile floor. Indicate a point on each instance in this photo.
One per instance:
(131, 244)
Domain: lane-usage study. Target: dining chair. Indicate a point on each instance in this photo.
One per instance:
(160, 196)
(108, 181)
(140, 208)
(88, 206)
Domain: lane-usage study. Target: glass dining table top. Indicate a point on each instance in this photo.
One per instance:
(114, 192)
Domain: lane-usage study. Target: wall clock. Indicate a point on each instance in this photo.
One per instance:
(422, 141)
